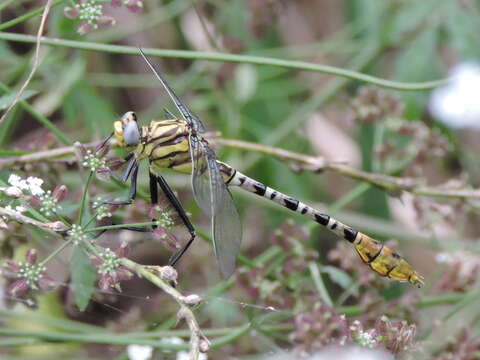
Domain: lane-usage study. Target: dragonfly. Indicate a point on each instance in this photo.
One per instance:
(178, 144)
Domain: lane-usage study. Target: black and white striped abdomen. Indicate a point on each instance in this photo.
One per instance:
(236, 178)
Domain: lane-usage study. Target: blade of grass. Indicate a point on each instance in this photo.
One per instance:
(220, 57)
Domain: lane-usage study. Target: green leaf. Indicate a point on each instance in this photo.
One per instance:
(338, 276)
(6, 100)
(83, 278)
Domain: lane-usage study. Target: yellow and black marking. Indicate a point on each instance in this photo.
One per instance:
(376, 255)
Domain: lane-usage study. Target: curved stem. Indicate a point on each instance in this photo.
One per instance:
(185, 312)
(256, 60)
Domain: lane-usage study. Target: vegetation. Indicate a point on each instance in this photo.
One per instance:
(342, 104)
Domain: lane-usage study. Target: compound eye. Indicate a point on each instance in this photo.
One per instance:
(129, 116)
(131, 133)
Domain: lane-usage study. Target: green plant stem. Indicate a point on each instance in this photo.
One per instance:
(19, 342)
(319, 284)
(317, 100)
(41, 118)
(230, 338)
(50, 321)
(84, 198)
(220, 57)
(96, 338)
(56, 252)
(27, 16)
(422, 303)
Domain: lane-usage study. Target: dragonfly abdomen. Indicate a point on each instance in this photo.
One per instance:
(375, 254)
(293, 204)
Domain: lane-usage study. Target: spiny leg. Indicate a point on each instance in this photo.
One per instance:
(181, 212)
(127, 171)
(132, 169)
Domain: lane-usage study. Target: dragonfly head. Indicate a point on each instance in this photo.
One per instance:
(126, 130)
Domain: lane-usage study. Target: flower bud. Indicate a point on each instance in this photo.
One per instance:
(71, 12)
(204, 345)
(60, 192)
(192, 300)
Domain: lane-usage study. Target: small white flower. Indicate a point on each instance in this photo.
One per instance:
(456, 103)
(102, 209)
(366, 339)
(139, 352)
(35, 185)
(14, 180)
(49, 205)
(18, 209)
(91, 161)
(32, 184)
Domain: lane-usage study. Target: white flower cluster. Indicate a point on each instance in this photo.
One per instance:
(90, 12)
(366, 339)
(31, 273)
(31, 184)
(110, 262)
(49, 204)
(18, 209)
(165, 220)
(101, 209)
(93, 162)
(77, 235)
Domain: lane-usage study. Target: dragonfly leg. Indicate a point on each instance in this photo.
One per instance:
(133, 170)
(153, 193)
(183, 215)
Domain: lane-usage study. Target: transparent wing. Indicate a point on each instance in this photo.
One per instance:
(201, 182)
(215, 199)
(227, 234)
(187, 115)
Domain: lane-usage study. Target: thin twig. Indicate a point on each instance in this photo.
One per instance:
(196, 336)
(37, 156)
(299, 161)
(56, 226)
(415, 186)
(36, 59)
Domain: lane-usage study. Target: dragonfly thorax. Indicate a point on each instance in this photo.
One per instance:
(126, 130)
